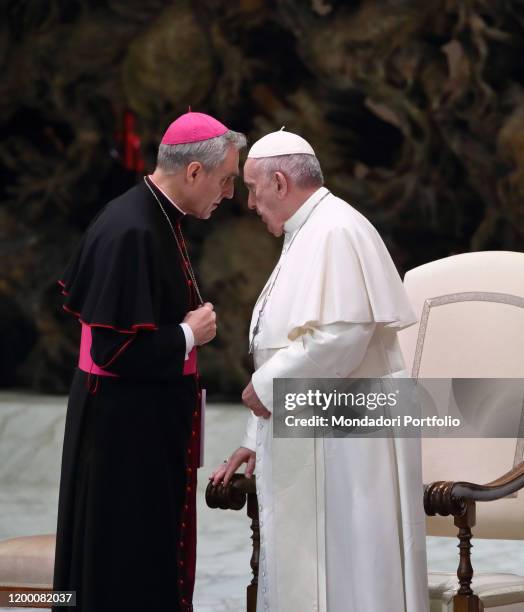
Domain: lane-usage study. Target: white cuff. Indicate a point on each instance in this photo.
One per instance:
(263, 386)
(190, 338)
(250, 439)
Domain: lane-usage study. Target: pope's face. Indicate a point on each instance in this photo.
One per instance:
(263, 197)
(214, 185)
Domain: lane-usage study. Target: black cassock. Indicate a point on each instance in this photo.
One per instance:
(126, 534)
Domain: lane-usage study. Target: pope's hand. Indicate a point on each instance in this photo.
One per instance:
(251, 400)
(228, 468)
(202, 322)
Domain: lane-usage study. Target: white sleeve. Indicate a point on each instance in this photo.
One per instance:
(327, 351)
(190, 338)
(250, 439)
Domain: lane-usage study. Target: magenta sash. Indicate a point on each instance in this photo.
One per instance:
(190, 364)
(86, 364)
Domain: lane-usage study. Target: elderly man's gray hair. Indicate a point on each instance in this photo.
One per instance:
(210, 153)
(304, 170)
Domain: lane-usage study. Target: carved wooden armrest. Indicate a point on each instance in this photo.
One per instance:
(233, 496)
(459, 499)
(448, 497)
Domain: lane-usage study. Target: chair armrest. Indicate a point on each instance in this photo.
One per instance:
(233, 496)
(448, 497)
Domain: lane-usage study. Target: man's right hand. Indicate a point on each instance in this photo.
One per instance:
(224, 472)
(202, 322)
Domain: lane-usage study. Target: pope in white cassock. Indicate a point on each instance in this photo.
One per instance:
(341, 520)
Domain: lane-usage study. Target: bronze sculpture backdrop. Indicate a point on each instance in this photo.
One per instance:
(415, 109)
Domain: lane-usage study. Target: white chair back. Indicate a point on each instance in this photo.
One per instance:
(471, 325)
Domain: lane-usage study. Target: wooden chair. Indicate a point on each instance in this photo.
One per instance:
(471, 325)
(26, 566)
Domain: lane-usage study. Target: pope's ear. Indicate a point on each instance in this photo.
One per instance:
(193, 170)
(281, 183)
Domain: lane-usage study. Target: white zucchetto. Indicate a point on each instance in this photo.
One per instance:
(280, 143)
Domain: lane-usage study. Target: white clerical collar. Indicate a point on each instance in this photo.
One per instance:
(165, 195)
(296, 220)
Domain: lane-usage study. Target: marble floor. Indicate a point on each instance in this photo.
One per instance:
(31, 433)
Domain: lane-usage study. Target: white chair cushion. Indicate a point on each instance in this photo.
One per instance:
(494, 589)
(27, 561)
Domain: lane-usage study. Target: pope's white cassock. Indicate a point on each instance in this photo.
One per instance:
(341, 520)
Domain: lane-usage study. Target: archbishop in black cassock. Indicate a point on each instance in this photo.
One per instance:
(126, 534)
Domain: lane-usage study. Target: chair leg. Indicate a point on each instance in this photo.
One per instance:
(464, 603)
(465, 600)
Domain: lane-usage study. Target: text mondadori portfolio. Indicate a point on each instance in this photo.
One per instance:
(367, 421)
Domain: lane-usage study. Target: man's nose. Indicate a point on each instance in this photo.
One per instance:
(229, 192)
(250, 202)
